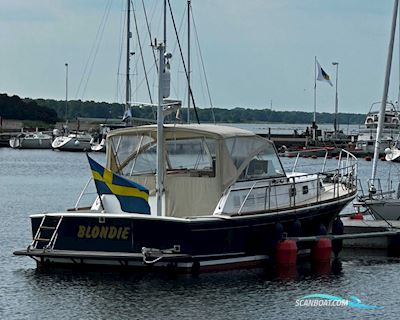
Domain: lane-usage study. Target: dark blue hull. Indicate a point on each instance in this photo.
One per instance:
(205, 242)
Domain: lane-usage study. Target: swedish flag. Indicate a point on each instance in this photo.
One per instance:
(132, 196)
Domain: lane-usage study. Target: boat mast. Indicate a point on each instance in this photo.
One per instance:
(188, 57)
(385, 92)
(165, 24)
(398, 94)
(128, 53)
(163, 92)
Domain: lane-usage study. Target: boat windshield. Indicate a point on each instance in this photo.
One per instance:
(134, 152)
(136, 155)
(259, 154)
(243, 157)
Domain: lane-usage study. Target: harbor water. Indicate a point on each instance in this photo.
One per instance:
(34, 181)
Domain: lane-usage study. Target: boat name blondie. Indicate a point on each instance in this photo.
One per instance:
(103, 232)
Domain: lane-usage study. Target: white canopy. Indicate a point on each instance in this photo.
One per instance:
(201, 161)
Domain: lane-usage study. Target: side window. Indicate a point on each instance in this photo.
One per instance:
(292, 191)
(195, 156)
(305, 189)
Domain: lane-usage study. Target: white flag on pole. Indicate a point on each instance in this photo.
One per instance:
(127, 115)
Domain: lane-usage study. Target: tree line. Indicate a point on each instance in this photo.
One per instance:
(92, 109)
(50, 111)
(15, 108)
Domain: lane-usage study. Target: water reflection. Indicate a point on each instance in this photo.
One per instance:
(243, 293)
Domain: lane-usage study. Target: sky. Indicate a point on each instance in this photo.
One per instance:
(256, 54)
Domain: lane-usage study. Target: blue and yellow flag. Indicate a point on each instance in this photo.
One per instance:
(132, 196)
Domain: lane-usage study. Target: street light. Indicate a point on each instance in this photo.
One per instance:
(336, 124)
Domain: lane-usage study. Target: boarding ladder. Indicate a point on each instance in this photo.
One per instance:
(46, 235)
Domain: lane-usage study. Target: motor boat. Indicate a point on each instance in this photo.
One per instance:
(190, 198)
(225, 203)
(367, 136)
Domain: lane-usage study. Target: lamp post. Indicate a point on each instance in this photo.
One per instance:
(336, 124)
(66, 90)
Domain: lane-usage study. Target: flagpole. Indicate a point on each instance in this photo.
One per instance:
(335, 123)
(315, 98)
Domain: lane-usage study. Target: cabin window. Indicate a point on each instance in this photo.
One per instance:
(257, 168)
(305, 189)
(236, 201)
(144, 162)
(250, 201)
(263, 163)
(240, 148)
(292, 192)
(195, 155)
(133, 154)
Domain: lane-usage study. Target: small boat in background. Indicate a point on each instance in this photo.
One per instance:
(309, 152)
(98, 146)
(98, 141)
(76, 141)
(31, 140)
(393, 153)
(390, 128)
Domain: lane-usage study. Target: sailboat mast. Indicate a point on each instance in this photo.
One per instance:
(385, 91)
(398, 94)
(128, 49)
(188, 58)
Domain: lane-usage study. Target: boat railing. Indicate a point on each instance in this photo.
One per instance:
(375, 190)
(344, 155)
(83, 194)
(296, 191)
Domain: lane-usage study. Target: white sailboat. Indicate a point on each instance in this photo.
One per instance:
(382, 205)
(31, 140)
(75, 141)
(71, 140)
